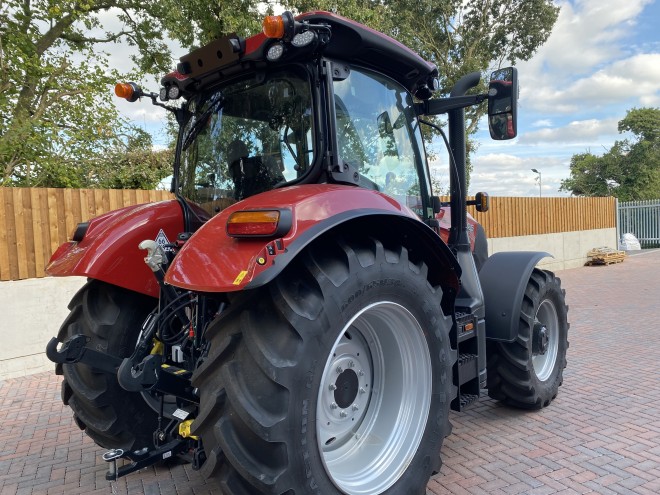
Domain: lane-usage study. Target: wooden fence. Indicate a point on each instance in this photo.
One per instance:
(513, 217)
(34, 222)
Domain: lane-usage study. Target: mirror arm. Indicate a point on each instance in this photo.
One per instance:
(444, 105)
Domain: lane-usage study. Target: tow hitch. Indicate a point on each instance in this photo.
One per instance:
(74, 350)
(141, 458)
(149, 375)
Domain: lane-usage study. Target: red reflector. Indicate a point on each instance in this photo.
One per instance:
(253, 223)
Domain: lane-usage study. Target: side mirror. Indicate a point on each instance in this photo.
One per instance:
(384, 124)
(503, 104)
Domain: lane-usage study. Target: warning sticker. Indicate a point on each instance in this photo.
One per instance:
(240, 277)
(163, 241)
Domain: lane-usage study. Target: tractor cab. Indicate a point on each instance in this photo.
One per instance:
(284, 108)
(315, 98)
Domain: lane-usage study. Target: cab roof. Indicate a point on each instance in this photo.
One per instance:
(350, 42)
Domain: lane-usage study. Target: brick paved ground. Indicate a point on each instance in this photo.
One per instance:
(601, 435)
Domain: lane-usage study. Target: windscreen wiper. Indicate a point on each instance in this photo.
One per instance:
(200, 122)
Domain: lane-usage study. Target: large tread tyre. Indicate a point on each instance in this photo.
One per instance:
(335, 378)
(112, 318)
(518, 374)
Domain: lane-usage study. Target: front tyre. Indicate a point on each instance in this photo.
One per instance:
(528, 372)
(336, 378)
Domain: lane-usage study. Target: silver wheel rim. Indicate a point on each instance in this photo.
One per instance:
(544, 364)
(382, 359)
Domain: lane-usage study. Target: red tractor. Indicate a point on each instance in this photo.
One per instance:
(307, 312)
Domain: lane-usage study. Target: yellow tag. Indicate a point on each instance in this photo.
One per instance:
(240, 277)
(184, 430)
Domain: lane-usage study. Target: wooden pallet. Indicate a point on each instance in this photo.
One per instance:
(605, 256)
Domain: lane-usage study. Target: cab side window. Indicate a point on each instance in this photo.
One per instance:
(375, 134)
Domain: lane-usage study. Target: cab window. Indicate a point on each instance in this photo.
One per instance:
(376, 134)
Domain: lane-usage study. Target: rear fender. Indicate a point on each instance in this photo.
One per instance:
(504, 277)
(109, 249)
(211, 261)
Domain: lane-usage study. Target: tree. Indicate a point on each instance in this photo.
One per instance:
(630, 170)
(55, 87)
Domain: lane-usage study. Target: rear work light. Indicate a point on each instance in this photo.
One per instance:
(259, 223)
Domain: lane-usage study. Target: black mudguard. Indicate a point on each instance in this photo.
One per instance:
(504, 277)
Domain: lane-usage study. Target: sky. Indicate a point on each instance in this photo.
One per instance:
(602, 59)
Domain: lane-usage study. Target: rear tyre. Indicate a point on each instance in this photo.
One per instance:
(528, 372)
(336, 378)
(112, 318)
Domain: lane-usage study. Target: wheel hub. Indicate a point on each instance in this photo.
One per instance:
(540, 339)
(345, 390)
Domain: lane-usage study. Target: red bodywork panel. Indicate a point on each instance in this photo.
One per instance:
(444, 217)
(211, 261)
(109, 250)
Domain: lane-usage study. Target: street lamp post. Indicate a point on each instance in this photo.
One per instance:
(537, 172)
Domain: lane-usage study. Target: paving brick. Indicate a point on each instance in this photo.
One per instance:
(600, 436)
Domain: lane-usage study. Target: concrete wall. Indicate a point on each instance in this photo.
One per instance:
(33, 310)
(568, 248)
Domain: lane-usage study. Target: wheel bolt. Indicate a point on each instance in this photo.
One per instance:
(339, 370)
(332, 386)
(333, 405)
(343, 414)
(362, 391)
(355, 407)
(361, 373)
(351, 364)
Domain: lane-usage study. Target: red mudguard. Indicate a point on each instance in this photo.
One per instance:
(109, 250)
(211, 261)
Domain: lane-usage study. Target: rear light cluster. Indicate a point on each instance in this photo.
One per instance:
(259, 223)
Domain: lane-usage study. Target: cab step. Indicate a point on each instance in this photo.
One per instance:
(467, 399)
(468, 367)
(466, 377)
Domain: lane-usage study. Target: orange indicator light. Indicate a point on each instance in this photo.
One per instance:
(274, 26)
(256, 223)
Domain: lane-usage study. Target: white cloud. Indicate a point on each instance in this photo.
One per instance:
(501, 174)
(579, 131)
(542, 123)
(635, 76)
(586, 62)
(586, 34)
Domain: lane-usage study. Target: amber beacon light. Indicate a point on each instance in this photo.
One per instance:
(273, 26)
(129, 91)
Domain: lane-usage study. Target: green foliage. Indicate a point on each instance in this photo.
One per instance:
(630, 170)
(56, 118)
(59, 127)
